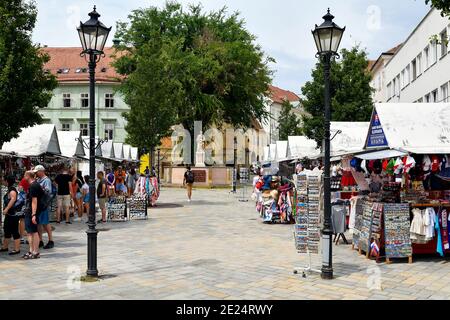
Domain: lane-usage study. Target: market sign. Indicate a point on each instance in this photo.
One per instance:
(376, 137)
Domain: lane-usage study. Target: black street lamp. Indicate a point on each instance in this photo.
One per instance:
(159, 165)
(235, 165)
(328, 37)
(93, 35)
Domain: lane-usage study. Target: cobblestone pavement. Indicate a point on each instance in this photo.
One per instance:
(212, 248)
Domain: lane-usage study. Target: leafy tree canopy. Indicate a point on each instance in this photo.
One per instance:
(24, 86)
(443, 5)
(350, 91)
(205, 67)
(289, 123)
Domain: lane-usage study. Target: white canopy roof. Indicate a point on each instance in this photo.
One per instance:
(421, 128)
(383, 154)
(127, 152)
(108, 149)
(272, 151)
(70, 144)
(282, 150)
(118, 150)
(34, 141)
(134, 154)
(300, 147)
(350, 137)
(266, 153)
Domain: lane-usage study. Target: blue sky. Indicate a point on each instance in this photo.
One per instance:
(283, 27)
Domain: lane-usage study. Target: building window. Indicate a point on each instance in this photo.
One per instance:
(434, 52)
(420, 100)
(389, 90)
(444, 92)
(414, 69)
(84, 129)
(85, 100)
(109, 100)
(428, 98)
(403, 83)
(66, 100)
(109, 131)
(419, 64)
(434, 95)
(444, 43)
(427, 57)
(408, 75)
(65, 126)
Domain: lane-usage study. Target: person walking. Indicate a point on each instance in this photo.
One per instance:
(188, 182)
(111, 182)
(102, 195)
(32, 212)
(44, 224)
(63, 181)
(11, 222)
(77, 183)
(22, 187)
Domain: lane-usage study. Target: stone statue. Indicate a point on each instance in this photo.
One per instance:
(200, 154)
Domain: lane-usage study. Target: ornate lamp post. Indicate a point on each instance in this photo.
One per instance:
(328, 37)
(93, 35)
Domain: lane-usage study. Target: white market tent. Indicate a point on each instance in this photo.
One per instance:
(272, 152)
(281, 151)
(350, 137)
(300, 147)
(420, 128)
(34, 141)
(70, 144)
(127, 152)
(266, 153)
(118, 151)
(108, 149)
(134, 154)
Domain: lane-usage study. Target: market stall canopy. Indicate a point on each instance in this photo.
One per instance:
(272, 152)
(383, 154)
(34, 141)
(134, 154)
(421, 128)
(300, 147)
(118, 151)
(70, 144)
(98, 150)
(266, 153)
(108, 149)
(282, 151)
(127, 152)
(349, 137)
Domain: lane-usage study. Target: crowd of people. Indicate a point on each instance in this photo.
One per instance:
(26, 204)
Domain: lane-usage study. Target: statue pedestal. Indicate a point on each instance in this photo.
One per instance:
(200, 159)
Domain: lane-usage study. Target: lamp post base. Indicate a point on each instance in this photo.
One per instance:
(327, 273)
(92, 253)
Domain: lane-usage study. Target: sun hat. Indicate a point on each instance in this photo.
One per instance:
(38, 168)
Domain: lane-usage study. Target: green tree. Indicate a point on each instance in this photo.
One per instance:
(217, 73)
(350, 91)
(24, 86)
(443, 5)
(288, 123)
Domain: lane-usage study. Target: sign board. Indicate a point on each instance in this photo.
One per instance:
(199, 176)
(376, 138)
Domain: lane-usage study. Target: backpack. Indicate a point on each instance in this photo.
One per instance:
(20, 201)
(190, 177)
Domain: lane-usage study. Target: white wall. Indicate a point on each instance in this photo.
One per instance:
(428, 79)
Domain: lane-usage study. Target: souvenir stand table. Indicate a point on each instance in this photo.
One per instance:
(137, 207)
(117, 209)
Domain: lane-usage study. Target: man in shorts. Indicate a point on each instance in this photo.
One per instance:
(44, 223)
(120, 176)
(188, 181)
(63, 197)
(102, 195)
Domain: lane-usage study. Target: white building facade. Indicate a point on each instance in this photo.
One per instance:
(419, 71)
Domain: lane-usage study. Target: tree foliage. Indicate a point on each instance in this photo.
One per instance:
(442, 5)
(350, 91)
(289, 123)
(207, 68)
(24, 86)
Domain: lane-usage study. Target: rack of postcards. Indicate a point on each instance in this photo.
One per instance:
(397, 231)
(117, 209)
(137, 207)
(314, 213)
(301, 219)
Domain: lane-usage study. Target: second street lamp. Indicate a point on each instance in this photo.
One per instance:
(93, 35)
(328, 37)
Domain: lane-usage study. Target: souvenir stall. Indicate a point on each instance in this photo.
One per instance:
(403, 178)
(147, 188)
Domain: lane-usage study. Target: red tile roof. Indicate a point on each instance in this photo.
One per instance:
(69, 59)
(279, 95)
